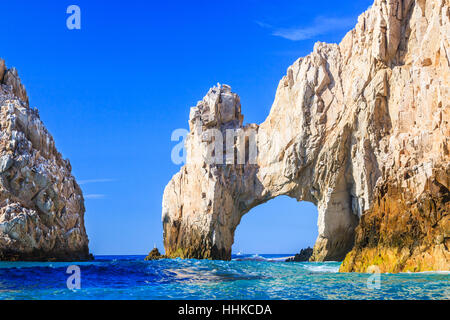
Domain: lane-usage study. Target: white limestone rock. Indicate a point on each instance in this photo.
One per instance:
(345, 119)
(41, 205)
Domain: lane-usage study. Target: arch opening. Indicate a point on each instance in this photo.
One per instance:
(282, 226)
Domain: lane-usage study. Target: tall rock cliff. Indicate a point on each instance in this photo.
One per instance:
(41, 205)
(361, 129)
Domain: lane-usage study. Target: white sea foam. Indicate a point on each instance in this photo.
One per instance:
(321, 267)
(257, 257)
(426, 272)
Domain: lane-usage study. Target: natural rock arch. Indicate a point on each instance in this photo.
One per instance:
(210, 199)
(350, 123)
(280, 226)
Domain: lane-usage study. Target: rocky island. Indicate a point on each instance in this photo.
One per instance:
(304, 255)
(360, 129)
(41, 204)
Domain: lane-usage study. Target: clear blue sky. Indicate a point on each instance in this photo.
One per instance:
(112, 93)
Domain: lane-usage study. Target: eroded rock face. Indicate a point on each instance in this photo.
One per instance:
(349, 122)
(404, 230)
(41, 205)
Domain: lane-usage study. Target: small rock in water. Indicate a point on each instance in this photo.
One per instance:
(303, 256)
(154, 255)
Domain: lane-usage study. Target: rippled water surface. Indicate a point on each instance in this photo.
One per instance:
(249, 277)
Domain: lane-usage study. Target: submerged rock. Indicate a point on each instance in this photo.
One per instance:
(41, 204)
(304, 255)
(360, 129)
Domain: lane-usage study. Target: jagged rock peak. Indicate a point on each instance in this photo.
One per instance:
(11, 79)
(219, 107)
(41, 205)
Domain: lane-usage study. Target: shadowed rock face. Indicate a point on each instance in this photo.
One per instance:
(41, 205)
(405, 231)
(349, 122)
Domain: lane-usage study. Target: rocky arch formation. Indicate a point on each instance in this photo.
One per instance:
(360, 129)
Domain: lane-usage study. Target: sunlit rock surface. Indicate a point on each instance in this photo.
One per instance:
(41, 205)
(361, 129)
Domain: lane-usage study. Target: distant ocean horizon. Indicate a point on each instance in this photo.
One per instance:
(247, 276)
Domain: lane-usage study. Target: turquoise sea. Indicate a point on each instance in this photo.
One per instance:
(246, 277)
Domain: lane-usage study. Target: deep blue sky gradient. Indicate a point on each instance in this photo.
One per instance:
(112, 93)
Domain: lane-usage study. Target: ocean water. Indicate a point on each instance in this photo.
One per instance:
(246, 277)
